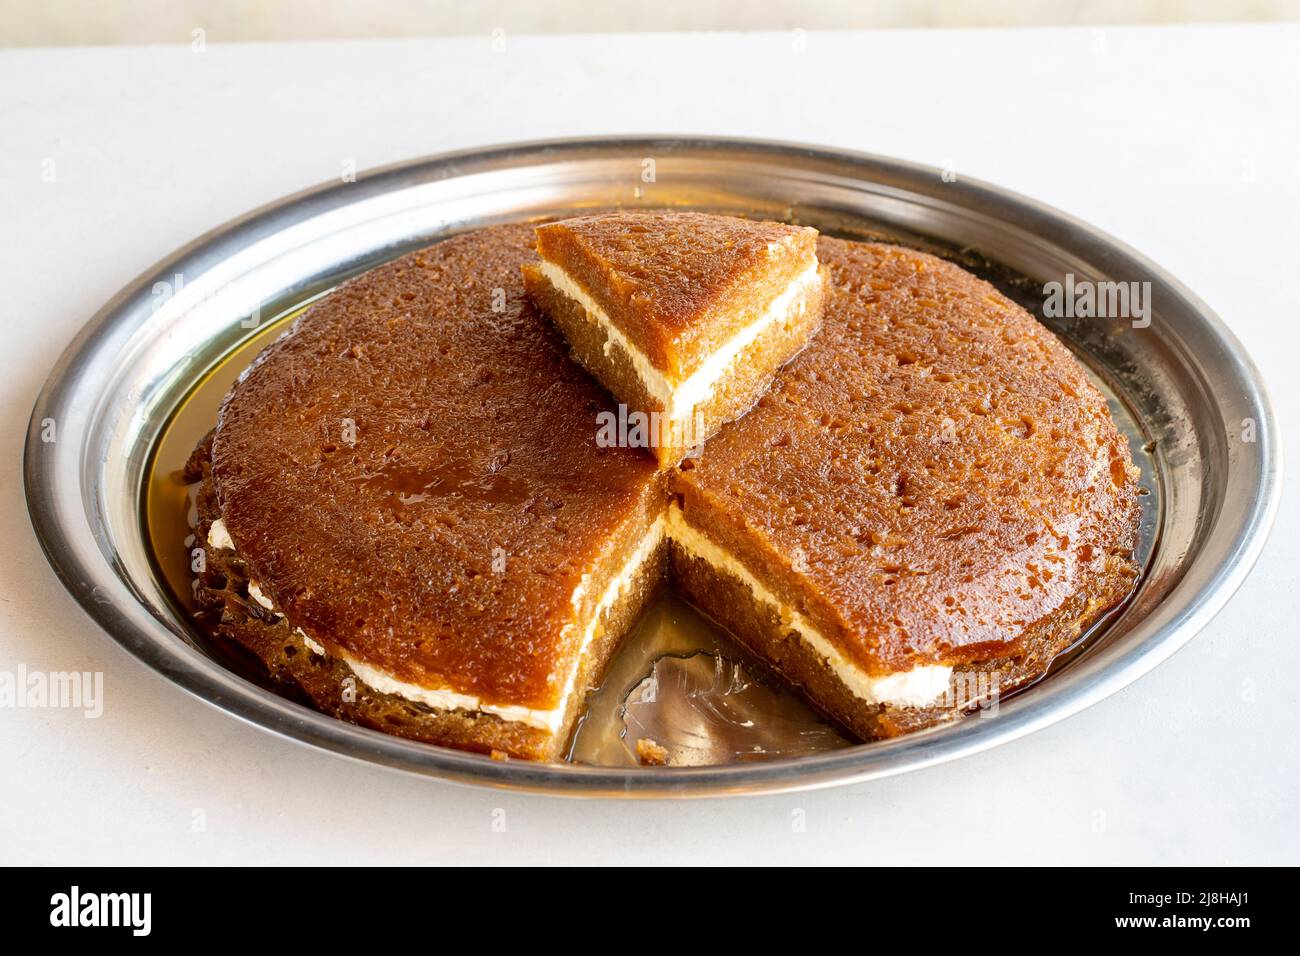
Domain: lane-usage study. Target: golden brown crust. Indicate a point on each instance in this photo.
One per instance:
(586, 340)
(678, 284)
(413, 473)
(734, 395)
(973, 686)
(931, 478)
(222, 597)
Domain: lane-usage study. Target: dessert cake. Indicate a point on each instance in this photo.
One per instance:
(409, 518)
(407, 514)
(684, 317)
(931, 503)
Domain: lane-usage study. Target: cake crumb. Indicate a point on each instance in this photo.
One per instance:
(499, 755)
(651, 753)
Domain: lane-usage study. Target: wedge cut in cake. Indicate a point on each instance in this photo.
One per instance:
(929, 505)
(684, 317)
(409, 519)
(407, 515)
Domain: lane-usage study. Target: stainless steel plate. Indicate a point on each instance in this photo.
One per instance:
(1185, 379)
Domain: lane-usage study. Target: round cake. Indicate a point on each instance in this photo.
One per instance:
(409, 518)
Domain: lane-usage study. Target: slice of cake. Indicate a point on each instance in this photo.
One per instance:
(407, 514)
(929, 505)
(684, 317)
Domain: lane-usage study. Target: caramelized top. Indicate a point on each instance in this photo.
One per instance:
(932, 476)
(412, 473)
(678, 284)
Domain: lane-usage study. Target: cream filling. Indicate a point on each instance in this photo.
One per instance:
(255, 592)
(443, 699)
(919, 687)
(219, 537)
(679, 399)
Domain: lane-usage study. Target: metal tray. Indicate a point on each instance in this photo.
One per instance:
(1195, 395)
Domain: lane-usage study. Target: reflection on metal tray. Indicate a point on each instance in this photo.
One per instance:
(1191, 401)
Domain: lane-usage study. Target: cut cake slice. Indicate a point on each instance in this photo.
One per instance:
(685, 317)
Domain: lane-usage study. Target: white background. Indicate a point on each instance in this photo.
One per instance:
(1181, 141)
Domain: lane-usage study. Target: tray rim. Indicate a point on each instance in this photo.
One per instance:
(207, 680)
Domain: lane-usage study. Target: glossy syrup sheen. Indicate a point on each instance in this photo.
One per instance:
(677, 679)
(168, 506)
(699, 720)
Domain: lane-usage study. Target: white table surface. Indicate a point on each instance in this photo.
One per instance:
(1182, 142)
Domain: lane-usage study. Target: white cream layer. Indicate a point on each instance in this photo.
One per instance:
(444, 699)
(219, 537)
(679, 399)
(918, 687)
